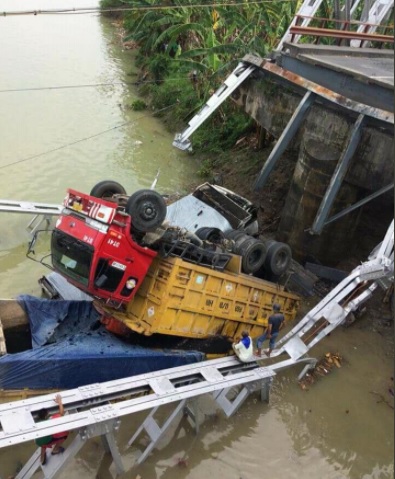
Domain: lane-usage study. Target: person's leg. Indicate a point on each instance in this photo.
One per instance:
(259, 342)
(43, 455)
(236, 351)
(272, 343)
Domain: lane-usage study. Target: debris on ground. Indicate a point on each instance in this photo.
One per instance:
(388, 397)
(323, 367)
(331, 274)
(382, 399)
(182, 462)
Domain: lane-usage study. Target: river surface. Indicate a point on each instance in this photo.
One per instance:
(70, 137)
(51, 139)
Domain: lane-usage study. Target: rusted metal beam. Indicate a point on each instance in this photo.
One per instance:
(343, 22)
(329, 95)
(341, 34)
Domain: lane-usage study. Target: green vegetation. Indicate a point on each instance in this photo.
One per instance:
(186, 51)
(138, 105)
(105, 4)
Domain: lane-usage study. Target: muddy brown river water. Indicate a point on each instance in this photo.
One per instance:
(341, 428)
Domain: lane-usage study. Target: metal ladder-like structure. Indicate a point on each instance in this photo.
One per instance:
(96, 410)
(41, 211)
(378, 13)
(345, 298)
(235, 79)
(307, 10)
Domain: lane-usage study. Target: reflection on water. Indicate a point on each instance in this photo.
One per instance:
(338, 429)
(59, 138)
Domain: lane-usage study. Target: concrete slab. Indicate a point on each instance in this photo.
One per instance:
(366, 69)
(365, 75)
(368, 65)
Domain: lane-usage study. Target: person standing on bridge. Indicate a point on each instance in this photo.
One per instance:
(244, 349)
(55, 440)
(276, 323)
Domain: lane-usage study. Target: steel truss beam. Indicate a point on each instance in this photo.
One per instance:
(342, 102)
(338, 176)
(286, 136)
(360, 203)
(314, 91)
(177, 385)
(229, 406)
(56, 465)
(341, 34)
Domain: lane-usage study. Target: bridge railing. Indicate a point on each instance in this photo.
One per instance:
(335, 31)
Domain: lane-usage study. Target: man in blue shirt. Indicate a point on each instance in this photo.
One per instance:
(276, 322)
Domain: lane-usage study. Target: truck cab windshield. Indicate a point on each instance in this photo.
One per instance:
(71, 257)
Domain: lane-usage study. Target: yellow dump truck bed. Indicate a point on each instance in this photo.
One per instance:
(184, 299)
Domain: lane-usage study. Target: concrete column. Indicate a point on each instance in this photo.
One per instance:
(315, 166)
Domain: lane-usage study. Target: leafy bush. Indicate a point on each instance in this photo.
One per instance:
(158, 66)
(221, 131)
(138, 105)
(174, 99)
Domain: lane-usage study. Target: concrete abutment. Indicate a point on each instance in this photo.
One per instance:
(318, 146)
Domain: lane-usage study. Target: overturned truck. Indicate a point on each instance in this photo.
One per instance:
(193, 268)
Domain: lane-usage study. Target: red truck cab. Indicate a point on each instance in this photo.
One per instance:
(93, 247)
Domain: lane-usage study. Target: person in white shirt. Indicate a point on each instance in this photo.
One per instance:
(244, 349)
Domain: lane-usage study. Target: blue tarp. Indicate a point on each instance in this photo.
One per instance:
(71, 349)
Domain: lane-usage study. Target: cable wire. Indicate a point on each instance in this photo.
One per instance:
(63, 87)
(38, 155)
(91, 85)
(90, 10)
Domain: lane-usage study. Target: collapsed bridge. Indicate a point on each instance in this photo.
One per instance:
(96, 410)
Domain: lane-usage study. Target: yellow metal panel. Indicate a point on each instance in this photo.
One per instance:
(213, 284)
(242, 292)
(188, 300)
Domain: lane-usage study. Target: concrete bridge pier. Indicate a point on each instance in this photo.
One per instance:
(317, 161)
(337, 153)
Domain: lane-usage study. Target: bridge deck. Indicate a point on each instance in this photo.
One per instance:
(361, 74)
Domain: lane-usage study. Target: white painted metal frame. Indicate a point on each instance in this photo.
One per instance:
(235, 79)
(89, 404)
(59, 463)
(378, 13)
(30, 207)
(177, 385)
(41, 211)
(308, 9)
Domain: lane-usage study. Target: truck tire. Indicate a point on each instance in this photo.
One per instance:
(278, 257)
(106, 189)
(253, 253)
(147, 209)
(234, 235)
(213, 235)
